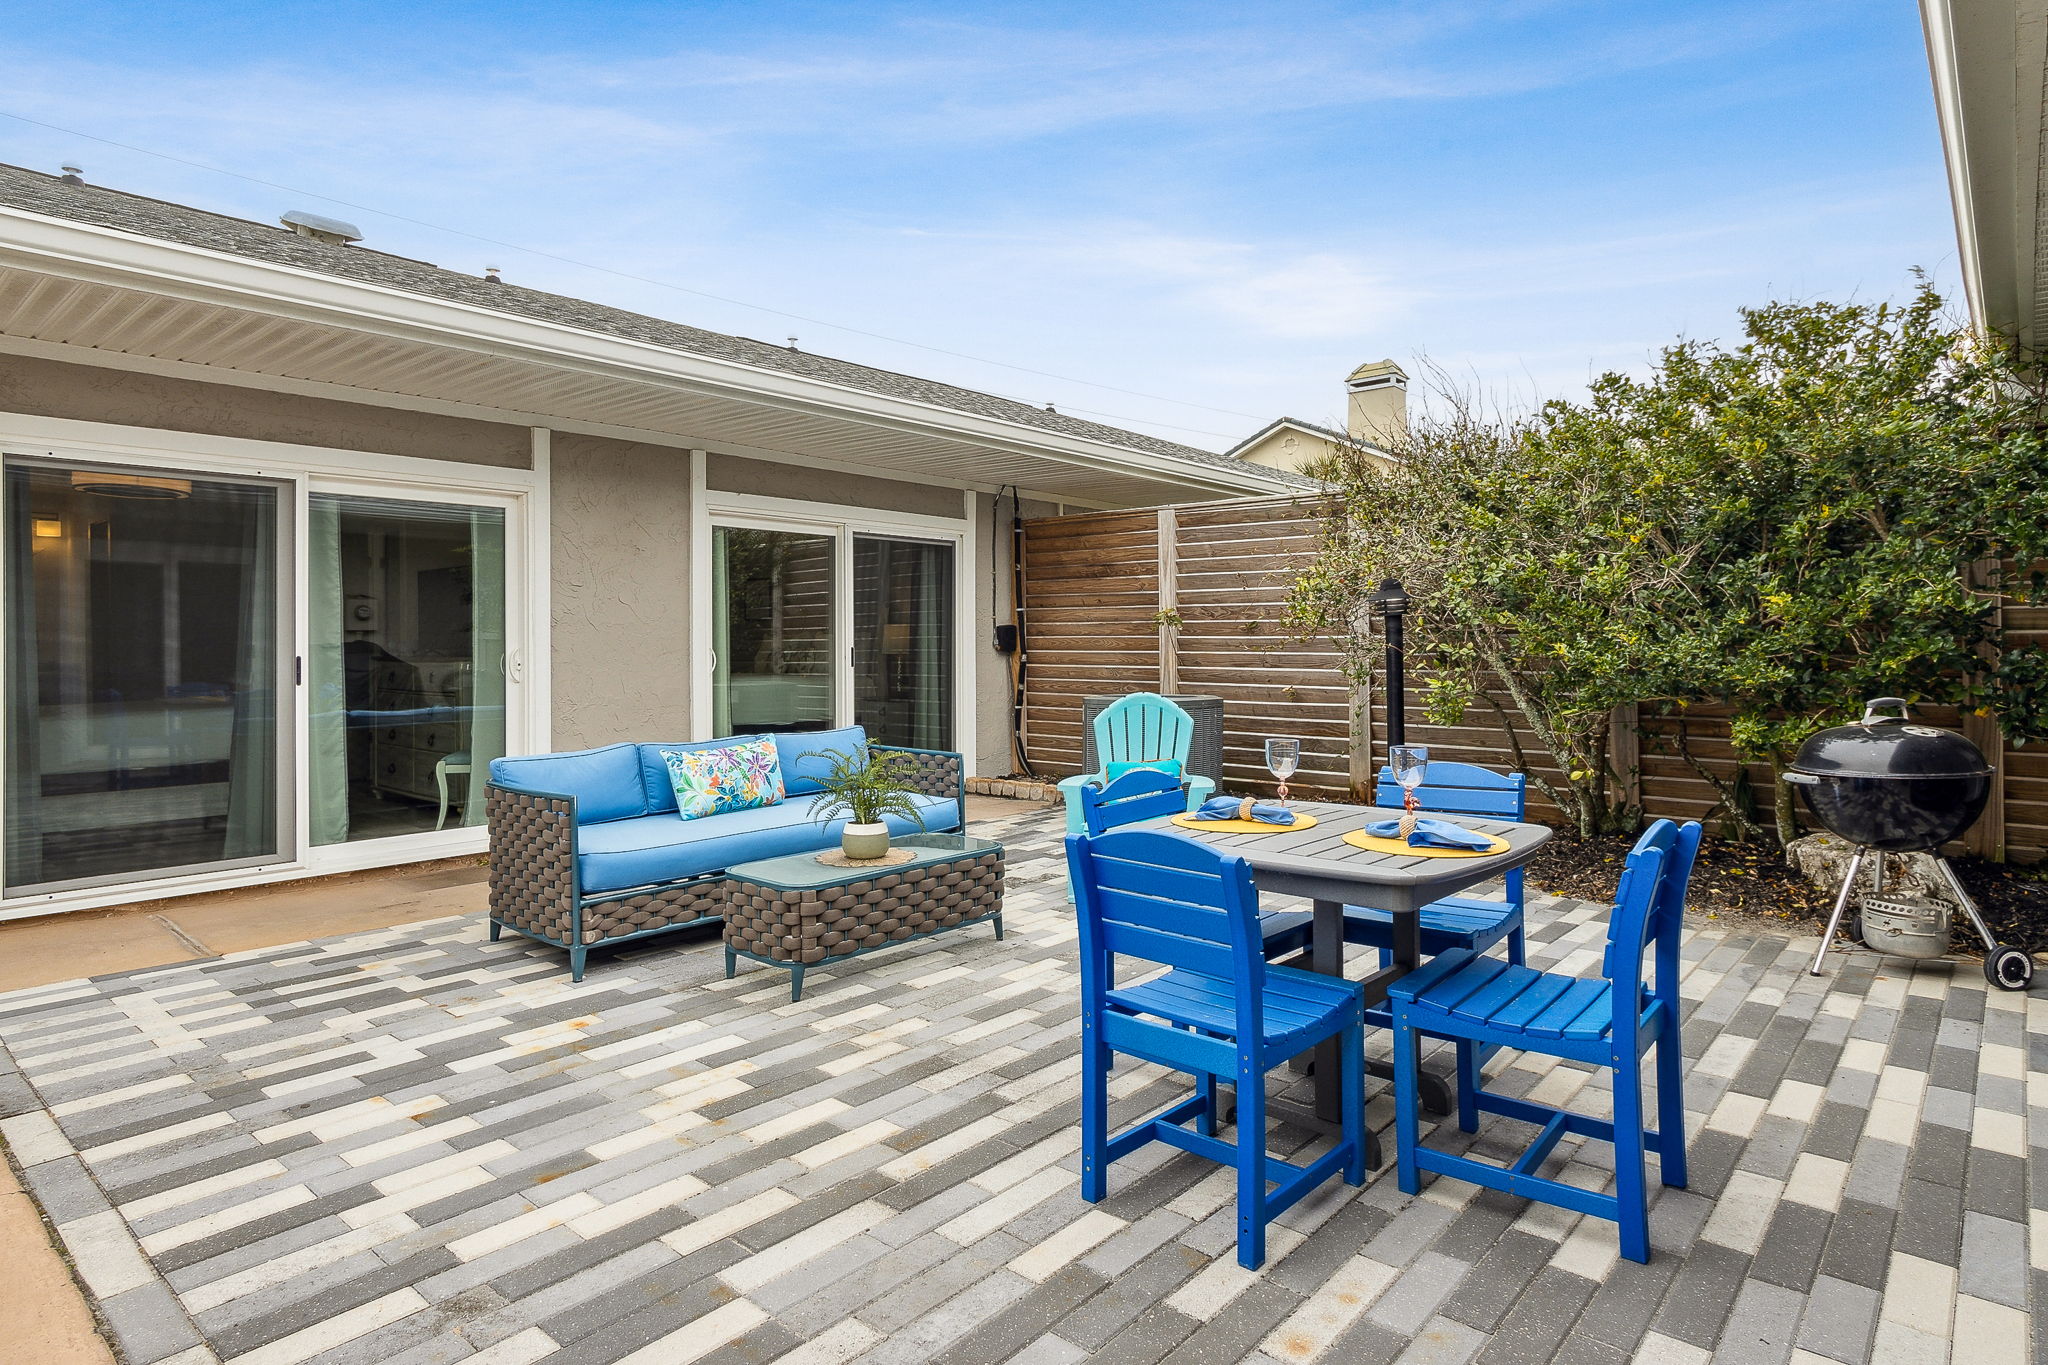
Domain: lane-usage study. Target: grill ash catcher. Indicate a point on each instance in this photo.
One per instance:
(1887, 785)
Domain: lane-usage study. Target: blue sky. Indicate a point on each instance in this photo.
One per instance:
(1226, 207)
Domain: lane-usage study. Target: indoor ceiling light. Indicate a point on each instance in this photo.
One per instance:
(129, 485)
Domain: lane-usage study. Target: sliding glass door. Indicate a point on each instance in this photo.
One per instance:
(903, 641)
(817, 627)
(143, 621)
(771, 630)
(406, 675)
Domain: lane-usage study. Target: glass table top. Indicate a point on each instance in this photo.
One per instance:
(796, 871)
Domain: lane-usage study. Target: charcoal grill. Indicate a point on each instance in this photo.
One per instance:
(1888, 785)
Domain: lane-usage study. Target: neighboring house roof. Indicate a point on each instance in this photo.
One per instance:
(36, 192)
(1989, 60)
(1326, 433)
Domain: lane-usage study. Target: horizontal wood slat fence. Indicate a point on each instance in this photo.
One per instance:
(1103, 590)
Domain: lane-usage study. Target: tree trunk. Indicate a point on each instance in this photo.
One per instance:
(1782, 799)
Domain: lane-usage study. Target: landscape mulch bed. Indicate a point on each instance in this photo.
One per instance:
(1744, 881)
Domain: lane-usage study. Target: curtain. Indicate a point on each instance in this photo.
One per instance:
(326, 675)
(934, 646)
(24, 692)
(252, 746)
(487, 667)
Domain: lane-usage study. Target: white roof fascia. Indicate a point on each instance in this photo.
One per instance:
(103, 255)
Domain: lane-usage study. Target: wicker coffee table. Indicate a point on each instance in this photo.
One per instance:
(796, 912)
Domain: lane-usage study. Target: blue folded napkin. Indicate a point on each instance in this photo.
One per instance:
(1431, 834)
(1232, 808)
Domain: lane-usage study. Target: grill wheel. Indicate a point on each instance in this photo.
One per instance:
(2009, 968)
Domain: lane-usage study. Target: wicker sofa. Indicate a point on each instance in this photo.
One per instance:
(587, 847)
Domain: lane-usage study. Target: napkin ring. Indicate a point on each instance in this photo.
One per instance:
(1244, 809)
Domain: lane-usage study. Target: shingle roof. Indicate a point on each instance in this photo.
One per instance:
(36, 192)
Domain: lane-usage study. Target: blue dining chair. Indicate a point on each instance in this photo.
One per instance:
(1611, 1021)
(1221, 1012)
(1471, 922)
(1149, 794)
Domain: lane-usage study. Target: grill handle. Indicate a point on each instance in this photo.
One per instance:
(1801, 779)
(1874, 708)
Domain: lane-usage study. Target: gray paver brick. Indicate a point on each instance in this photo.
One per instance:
(1538, 1319)
(147, 1324)
(1839, 1320)
(1994, 1259)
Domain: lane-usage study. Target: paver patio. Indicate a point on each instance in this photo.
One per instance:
(414, 1145)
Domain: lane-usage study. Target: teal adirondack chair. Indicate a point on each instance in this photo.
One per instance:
(1143, 727)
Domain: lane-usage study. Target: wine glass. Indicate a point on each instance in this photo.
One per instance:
(1283, 758)
(1410, 764)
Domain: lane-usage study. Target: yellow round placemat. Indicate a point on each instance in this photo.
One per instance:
(1358, 838)
(1302, 820)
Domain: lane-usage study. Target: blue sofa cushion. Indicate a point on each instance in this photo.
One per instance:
(666, 848)
(800, 774)
(654, 775)
(605, 782)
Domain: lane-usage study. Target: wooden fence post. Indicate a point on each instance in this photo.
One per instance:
(1364, 776)
(1986, 838)
(1169, 599)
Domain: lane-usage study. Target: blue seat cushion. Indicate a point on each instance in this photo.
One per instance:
(1453, 922)
(667, 848)
(799, 773)
(659, 787)
(1464, 988)
(605, 782)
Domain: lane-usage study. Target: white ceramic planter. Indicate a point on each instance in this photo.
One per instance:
(861, 842)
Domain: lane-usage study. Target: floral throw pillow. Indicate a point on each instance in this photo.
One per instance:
(735, 777)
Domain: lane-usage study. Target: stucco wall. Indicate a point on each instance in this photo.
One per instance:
(734, 474)
(91, 393)
(621, 536)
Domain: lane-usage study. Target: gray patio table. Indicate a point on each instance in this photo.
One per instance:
(1318, 864)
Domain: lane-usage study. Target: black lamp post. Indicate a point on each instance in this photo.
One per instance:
(1389, 601)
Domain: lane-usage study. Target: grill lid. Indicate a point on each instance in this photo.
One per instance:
(1889, 747)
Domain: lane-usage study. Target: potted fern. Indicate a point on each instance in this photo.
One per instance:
(866, 789)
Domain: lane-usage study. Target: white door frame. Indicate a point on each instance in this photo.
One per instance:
(522, 492)
(426, 844)
(843, 522)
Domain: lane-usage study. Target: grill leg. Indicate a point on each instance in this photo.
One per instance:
(1827, 937)
(1955, 884)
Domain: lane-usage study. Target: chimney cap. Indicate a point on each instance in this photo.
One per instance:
(321, 228)
(72, 175)
(1376, 374)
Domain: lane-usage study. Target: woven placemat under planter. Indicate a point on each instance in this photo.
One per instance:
(895, 857)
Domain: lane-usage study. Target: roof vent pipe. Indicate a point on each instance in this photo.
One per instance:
(317, 228)
(491, 275)
(72, 176)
